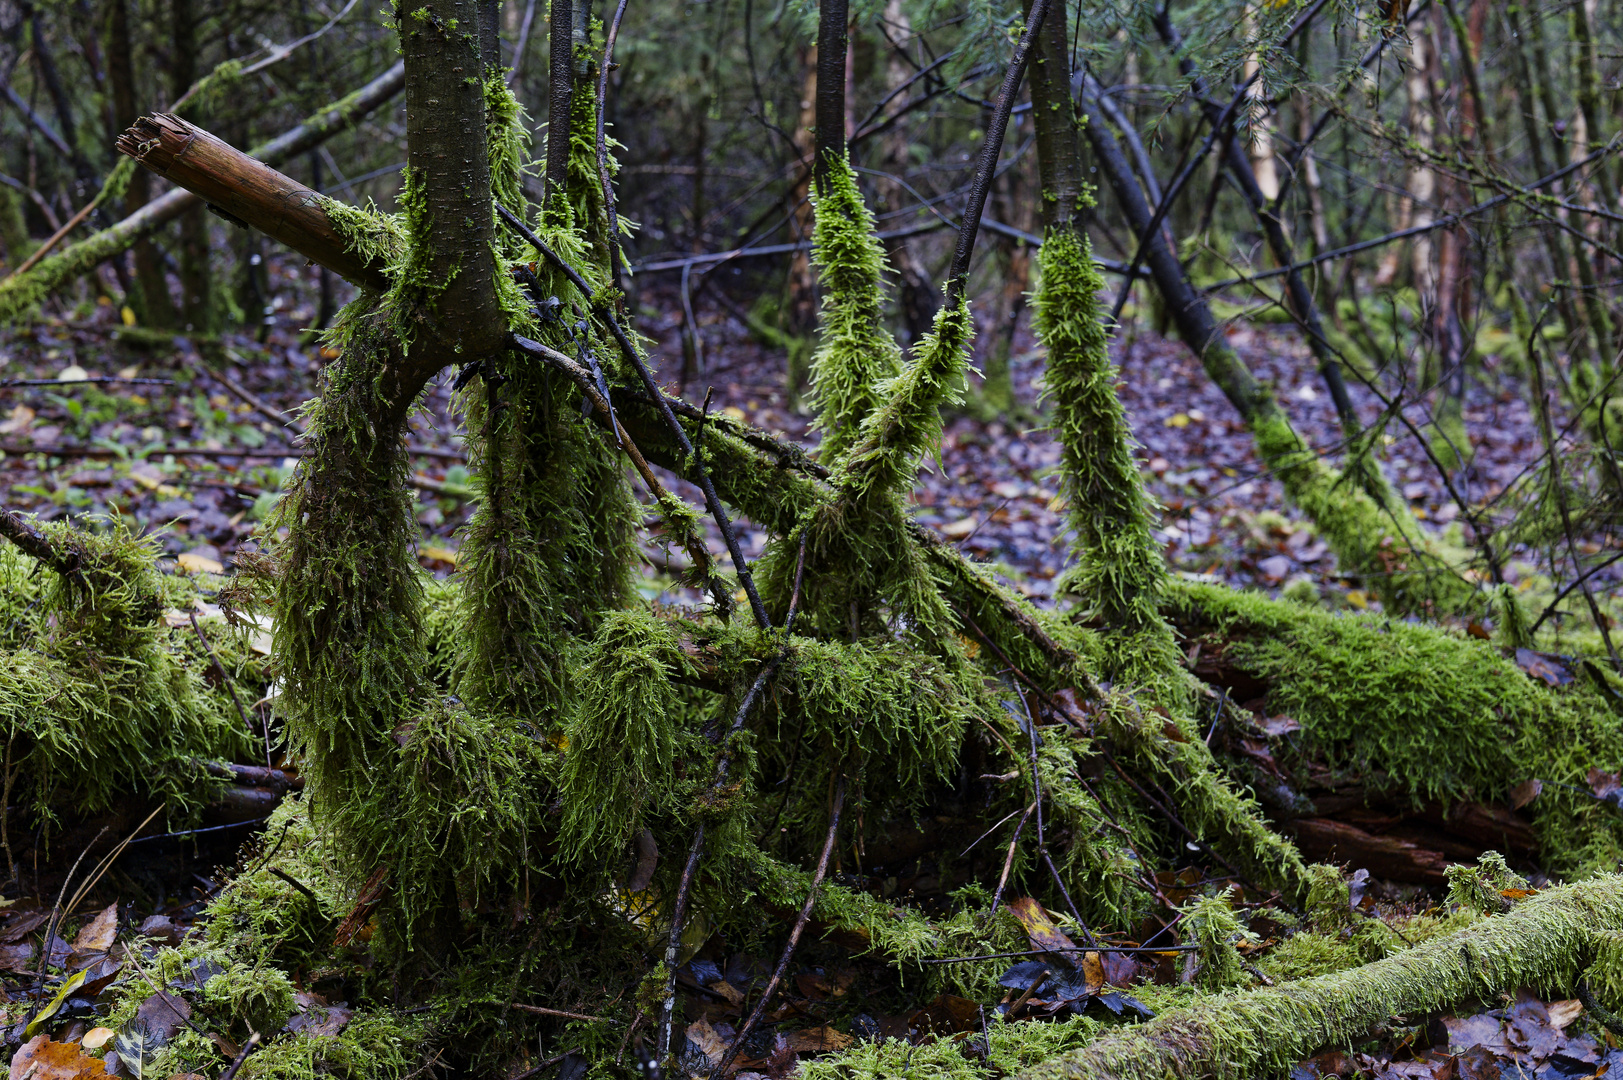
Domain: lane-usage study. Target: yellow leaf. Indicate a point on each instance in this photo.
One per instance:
(17, 420)
(733, 411)
(72, 373)
(440, 554)
(129, 373)
(127, 314)
(961, 527)
(1359, 599)
(1176, 420)
(97, 934)
(193, 563)
(73, 983)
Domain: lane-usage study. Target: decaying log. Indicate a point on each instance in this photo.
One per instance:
(1542, 943)
(248, 191)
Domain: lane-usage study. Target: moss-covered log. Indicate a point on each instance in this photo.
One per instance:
(1544, 943)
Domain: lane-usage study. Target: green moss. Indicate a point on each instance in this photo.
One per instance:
(1215, 930)
(1381, 544)
(374, 1045)
(1437, 714)
(1481, 888)
(855, 352)
(1541, 944)
(621, 736)
(1117, 567)
(256, 999)
(99, 700)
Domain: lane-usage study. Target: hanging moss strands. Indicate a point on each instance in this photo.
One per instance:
(1117, 567)
(855, 352)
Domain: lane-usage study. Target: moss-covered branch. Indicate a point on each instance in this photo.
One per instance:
(1544, 943)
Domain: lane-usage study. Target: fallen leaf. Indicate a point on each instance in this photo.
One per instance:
(69, 985)
(1548, 667)
(961, 527)
(1565, 1012)
(1276, 726)
(72, 373)
(25, 923)
(1358, 598)
(1176, 420)
(42, 1059)
(1040, 929)
(819, 1040)
(1525, 792)
(436, 553)
(946, 1015)
(1477, 630)
(706, 1040)
(1093, 970)
(1120, 969)
(320, 1020)
(162, 1015)
(97, 935)
(17, 420)
(18, 958)
(194, 563)
(1607, 786)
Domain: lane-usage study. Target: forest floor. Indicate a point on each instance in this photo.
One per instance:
(186, 444)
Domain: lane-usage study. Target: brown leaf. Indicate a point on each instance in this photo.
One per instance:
(18, 958)
(1276, 726)
(23, 924)
(1093, 970)
(96, 936)
(163, 1014)
(1040, 929)
(1606, 786)
(1565, 1012)
(947, 1015)
(710, 1044)
(1477, 630)
(1525, 792)
(1547, 667)
(1120, 969)
(818, 1040)
(1478, 1063)
(42, 1059)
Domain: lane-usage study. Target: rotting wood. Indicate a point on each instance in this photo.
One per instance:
(248, 191)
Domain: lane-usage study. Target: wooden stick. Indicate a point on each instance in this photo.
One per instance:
(249, 191)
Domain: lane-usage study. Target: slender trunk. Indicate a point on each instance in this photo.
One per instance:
(917, 295)
(153, 304)
(196, 276)
(832, 42)
(561, 99)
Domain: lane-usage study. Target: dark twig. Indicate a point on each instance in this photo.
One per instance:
(297, 884)
(794, 935)
(14, 528)
(1126, 949)
(560, 1013)
(242, 1055)
(231, 685)
(701, 475)
(981, 187)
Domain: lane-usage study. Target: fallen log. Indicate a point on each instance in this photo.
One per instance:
(21, 292)
(1543, 943)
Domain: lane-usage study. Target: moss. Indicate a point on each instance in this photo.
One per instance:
(99, 700)
(374, 1045)
(257, 999)
(1357, 685)
(1214, 930)
(1381, 544)
(855, 352)
(1117, 567)
(1483, 888)
(621, 736)
(259, 917)
(1541, 944)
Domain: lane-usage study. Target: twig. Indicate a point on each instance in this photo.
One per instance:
(231, 685)
(242, 1055)
(794, 935)
(95, 380)
(244, 395)
(539, 1010)
(14, 528)
(297, 884)
(981, 187)
(603, 142)
(1126, 949)
(522, 43)
(701, 474)
(1008, 860)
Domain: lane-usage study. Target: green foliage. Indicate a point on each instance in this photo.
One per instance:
(99, 700)
(1357, 684)
(855, 354)
(1541, 944)
(621, 734)
(1481, 888)
(1214, 929)
(262, 919)
(1117, 565)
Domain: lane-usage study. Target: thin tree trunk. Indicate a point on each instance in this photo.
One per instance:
(153, 304)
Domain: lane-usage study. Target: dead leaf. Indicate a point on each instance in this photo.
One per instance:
(1465, 1032)
(18, 958)
(818, 1040)
(1093, 970)
(42, 1059)
(197, 563)
(1040, 929)
(1525, 792)
(1120, 969)
(707, 1041)
(1565, 1012)
(23, 924)
(947, 1015)
(1478, 1063)
(162, 1015)
(1549, 667)
(320, 1020)
(1477, 630)
(17, 420)
(961, 527)
(1607, 786)
(97, 935)
(1276, 726)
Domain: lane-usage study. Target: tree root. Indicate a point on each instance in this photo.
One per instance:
(1541, 944)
